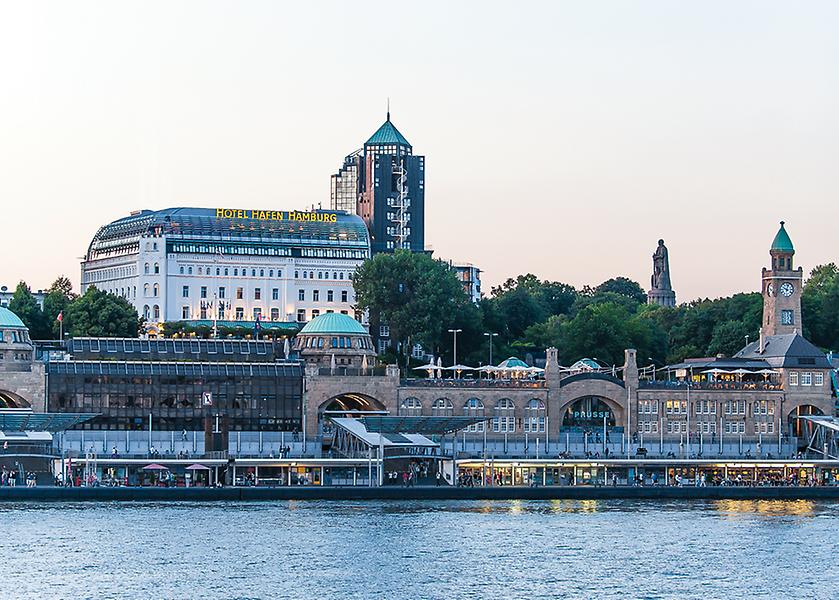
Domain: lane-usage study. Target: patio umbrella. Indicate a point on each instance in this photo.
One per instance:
(364, 364)
(332, 365)
(286, 348)
(458, 368)
(439, 367)
(155, 467)
(429, 367)
(197, 467)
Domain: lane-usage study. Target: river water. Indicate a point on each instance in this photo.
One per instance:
(511, 549)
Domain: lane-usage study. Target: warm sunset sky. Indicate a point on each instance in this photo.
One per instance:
(562, 138)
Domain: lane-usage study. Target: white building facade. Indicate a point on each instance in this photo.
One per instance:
(208, 266)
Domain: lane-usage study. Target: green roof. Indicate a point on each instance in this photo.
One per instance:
(782, 243)
(333, 324)
(387, 134)
(512, 362)
(9, 319)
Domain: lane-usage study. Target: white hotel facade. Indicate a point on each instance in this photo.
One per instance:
(229, 266)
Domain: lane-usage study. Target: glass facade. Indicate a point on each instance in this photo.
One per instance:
(178, 396)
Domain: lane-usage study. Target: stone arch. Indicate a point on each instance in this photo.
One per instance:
(350, 402)
(607, 389)
(11, 400)
(798, 427)
(411, 407)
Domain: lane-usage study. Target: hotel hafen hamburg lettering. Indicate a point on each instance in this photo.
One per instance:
(276, 215)
(229, 266)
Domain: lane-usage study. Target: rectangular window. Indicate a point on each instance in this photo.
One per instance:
(275, 294)
(257, 294)
(257, 313)
(807, 378)
(818, 378)
(301, 295)
(330, 296)
(221, 292)
(240, 313)
(301, 315)
(275, 314)
(344, 296)
(315, 295)
(384, 331)
(185, 291)
(185, 313)
(787, 317)
(203, 291)
(240, 293)
(793, 378)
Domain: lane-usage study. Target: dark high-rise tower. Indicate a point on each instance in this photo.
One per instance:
(384, 183)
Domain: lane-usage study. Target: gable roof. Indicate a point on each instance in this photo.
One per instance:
(790, 350)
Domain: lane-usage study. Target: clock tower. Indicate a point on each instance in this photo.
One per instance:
(781, 288)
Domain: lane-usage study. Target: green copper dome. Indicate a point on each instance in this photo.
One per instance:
(333, 324)
(10, 319)
(387, 134)
(782, 243)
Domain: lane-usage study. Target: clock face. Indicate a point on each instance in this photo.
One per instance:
(787, 289)
(770, 290)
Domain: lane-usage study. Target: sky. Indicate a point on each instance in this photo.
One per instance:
(561, 138)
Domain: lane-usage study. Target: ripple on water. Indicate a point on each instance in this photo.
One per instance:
(604, 549)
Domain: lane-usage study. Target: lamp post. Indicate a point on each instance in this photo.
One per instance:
(454, 358)
(490, 335)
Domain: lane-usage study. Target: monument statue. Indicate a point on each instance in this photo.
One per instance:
(661, 291)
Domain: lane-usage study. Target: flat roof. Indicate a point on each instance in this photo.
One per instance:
(26, 420)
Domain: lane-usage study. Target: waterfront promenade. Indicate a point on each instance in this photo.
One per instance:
(425, 493)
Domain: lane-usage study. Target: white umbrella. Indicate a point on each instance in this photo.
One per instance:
(332, 365)
(429, 367)
(439, 367)
(459, 368)
(488, 369)
(286, 348)
(364, 365)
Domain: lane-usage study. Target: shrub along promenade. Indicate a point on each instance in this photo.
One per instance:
(239, 494)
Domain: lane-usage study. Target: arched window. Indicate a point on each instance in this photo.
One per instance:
(442, 407)
(156, 312)
(534, 416)
(156, 290)
(146, 312)
(181, 270)
(189, 270)
(411, 407)
(504, 420)
(146, 268)
(146, 290)
(156, 268)
(474, 408)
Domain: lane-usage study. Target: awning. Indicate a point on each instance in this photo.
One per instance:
(421, 425)
(26, 420)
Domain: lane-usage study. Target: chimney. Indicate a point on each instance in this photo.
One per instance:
(761, 345)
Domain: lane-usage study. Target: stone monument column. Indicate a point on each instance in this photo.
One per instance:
(661, 291)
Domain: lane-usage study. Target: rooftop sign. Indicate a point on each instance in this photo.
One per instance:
(276, 215)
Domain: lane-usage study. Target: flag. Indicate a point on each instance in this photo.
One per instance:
(60, 316)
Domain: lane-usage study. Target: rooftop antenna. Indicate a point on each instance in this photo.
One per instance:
(388, 108)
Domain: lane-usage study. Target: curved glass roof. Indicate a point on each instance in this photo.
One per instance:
(333, 323)
(10, 319)
(269, 227)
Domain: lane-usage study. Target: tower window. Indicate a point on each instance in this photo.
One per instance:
(787, 317)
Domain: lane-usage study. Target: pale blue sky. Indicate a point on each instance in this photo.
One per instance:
(561, 138)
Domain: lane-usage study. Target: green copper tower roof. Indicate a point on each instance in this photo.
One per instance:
(387, 134)
(782, 243)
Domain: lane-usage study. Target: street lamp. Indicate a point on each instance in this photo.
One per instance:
(490, 335)
(454, 359)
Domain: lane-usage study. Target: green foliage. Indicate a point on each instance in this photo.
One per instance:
(820, 306)
(58, 298)
(623, 287)
(25, 306)
(100, 314)
(418, 297)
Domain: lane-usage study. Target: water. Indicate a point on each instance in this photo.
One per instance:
(514, 549)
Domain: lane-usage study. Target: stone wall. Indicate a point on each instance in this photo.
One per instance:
(29, 385)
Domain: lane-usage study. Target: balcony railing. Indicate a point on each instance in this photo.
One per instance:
(474, 383)
(713, 385)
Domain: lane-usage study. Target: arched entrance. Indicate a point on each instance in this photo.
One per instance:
(588, 413)
(349, 404)
(12, 400)
(801, 428)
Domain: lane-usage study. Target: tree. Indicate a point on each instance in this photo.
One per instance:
(820, 306)
(416, 296)
(25, 306)
(100, 314)
(624, 287)
(58, 297)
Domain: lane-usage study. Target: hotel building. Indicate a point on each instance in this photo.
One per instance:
(228, 267)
